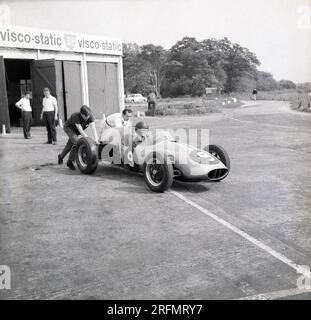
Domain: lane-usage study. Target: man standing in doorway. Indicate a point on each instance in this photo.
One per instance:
(24, 105)
(49, 115)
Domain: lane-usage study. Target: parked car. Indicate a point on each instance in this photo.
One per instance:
(135, 98)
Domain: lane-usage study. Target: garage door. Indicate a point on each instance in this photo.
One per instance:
(103, 88)
(46, 73)
(73, 88)
(4, 108)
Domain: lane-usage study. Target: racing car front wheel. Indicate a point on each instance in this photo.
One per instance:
(158, 172)
(219, 153)
(86, 155)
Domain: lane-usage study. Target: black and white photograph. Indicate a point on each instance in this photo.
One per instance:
(155, 150)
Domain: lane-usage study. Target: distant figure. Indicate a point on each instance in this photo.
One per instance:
(152, 102)
(255, 94)
(120, 119)
(24, 105)
(49, 115)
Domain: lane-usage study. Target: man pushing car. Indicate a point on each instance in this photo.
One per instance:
(74, 127)
(119, 119)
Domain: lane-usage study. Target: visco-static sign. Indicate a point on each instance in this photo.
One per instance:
(28, 38)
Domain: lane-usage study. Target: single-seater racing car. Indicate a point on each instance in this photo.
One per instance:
(160, 157)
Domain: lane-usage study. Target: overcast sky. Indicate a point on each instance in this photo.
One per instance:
(278, 31)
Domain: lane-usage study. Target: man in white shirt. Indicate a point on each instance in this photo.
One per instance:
(24, 105)
(49, 115)
(118, 119)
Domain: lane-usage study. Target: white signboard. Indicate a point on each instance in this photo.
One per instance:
(28, 38)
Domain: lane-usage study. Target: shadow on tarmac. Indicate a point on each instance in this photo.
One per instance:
(125, 175)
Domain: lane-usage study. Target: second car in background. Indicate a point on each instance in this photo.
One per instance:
(135, 98)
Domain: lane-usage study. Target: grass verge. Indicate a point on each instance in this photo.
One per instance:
(188, 106)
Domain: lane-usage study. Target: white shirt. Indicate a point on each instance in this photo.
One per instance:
(116, 120)
(24, 104)
(49, 104)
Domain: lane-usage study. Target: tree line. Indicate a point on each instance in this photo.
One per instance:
(190, 66)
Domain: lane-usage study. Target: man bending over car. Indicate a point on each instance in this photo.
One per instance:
(115, 120)
(74, 127)
(120, 119)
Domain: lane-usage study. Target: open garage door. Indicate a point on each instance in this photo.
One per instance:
(103, 88)
(4, 106)
(73, 87)
(46, 73)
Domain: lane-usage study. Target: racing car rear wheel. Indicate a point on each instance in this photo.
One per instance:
(86, 156)
(219, 153)
(158, 172)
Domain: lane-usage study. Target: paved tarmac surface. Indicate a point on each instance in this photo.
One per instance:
(106, 236)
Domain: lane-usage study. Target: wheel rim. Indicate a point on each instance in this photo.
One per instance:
(155, 173)
(82, 156)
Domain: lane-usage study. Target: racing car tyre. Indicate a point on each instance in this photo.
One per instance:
(86, 155)
(219, 153)
(158, 172)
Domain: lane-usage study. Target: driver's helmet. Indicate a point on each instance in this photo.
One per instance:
(141, 125)
(142, 129)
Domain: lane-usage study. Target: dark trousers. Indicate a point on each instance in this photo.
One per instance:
(27, 117)
(49, 120)
(152, 106)
(71, 145)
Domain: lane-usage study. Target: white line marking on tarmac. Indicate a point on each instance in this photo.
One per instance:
(250, 105)
(261, 124)
(298, 268)
(234, 119)
(276, 294)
